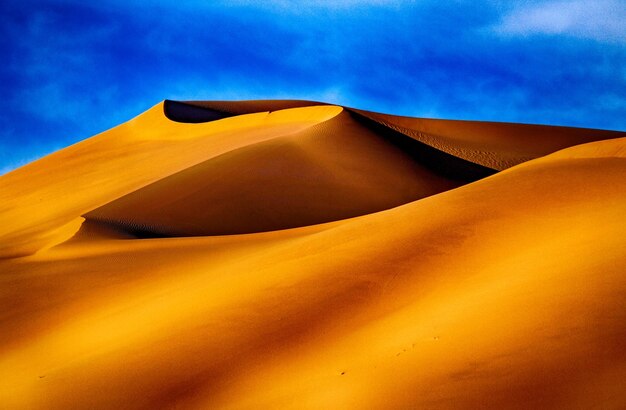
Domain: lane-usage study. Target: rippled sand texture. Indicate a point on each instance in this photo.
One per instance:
(290, 254)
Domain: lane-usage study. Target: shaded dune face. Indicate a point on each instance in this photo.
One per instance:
(491, 144)
(344, 167)
(308, 256)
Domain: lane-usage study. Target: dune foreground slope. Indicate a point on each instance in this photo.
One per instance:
(293, 254)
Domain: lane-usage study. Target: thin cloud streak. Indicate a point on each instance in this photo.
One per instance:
(602, 20)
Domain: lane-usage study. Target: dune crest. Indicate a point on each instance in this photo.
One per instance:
(283, 255)
(492, 144)
(146, 149)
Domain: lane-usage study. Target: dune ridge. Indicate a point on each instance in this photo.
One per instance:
(316, 259)
(491, 144)
(147, 148)
(337, 169)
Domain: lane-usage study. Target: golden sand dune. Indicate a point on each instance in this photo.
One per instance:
(43, 195)
(334, 170)
(390, 290)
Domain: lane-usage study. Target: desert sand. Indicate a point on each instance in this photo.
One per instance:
(294, 254)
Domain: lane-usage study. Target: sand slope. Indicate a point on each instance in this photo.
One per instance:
(492, 144)
(55, 190)
(334, 170)
(506, 292)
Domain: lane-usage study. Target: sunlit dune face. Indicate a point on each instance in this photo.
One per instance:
(287, 254)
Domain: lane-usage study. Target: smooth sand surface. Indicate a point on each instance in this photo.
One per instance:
(51, 192)
(353, 276)
(334, 170)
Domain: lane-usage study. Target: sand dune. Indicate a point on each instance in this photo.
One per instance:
(357, 271)
(334, 170)
(492, 144)
(42, 196)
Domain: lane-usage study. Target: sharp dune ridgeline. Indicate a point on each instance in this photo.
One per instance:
(295, 254)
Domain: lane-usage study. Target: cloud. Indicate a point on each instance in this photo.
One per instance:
(602, 20)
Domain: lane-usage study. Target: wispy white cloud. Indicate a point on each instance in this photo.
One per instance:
(603, 20)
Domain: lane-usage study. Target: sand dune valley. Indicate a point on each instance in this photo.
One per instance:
(294, 254)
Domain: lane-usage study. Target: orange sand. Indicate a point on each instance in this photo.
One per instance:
(357, 272)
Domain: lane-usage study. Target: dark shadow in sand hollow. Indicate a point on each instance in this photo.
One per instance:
(187, 113)
(441, 163)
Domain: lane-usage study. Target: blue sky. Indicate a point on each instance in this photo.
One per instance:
(73, 68)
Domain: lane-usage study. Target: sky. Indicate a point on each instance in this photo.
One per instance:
(72, 69)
